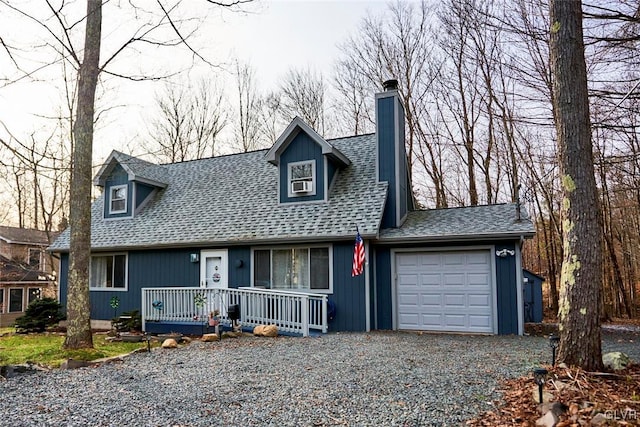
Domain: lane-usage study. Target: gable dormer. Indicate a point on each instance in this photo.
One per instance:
(307, 164)
(128, 185)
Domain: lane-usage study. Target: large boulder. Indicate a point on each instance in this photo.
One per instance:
(169, 343)
(270, 331)
(210, 337)
(615, 360)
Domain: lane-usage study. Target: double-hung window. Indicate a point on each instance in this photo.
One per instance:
(109, 272)
(118, 199)
(35, 257)
(299, 268)
(302, 178)
(16, 296)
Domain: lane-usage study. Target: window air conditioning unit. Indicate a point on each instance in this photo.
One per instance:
(301, 186)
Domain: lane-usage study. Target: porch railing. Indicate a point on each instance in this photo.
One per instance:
(293, 312)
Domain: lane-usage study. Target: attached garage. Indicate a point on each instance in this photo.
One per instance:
(446, 291)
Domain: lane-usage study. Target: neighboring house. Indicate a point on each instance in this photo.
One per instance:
(27, 271)
(286, 218)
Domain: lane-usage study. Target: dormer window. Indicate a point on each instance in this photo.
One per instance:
(302, 178)
(118, 199)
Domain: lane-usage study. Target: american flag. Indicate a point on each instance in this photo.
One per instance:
(358, 256)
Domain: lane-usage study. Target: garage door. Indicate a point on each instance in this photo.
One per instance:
(445, 291)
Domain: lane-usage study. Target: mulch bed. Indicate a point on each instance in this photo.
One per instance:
(583, 394)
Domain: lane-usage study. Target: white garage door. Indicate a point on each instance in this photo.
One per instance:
(445, 291)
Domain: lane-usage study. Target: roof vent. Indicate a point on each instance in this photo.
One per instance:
(390, 85)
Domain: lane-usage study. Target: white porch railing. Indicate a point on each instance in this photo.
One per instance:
(294, 312)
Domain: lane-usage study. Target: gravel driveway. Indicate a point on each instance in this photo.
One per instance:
(380, 378)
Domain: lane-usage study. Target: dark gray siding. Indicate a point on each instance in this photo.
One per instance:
(532, 291)
(348, 292)
(63, 278)
(383, 297)
(239, 267)
(302, 148)
(403, 174)
(331, 172)
(507, 292)
(142, 192)
(386, 132)
(117, 177)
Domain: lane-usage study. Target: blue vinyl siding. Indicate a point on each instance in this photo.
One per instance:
(118, 176)
(156, 268)
(383, 297)
(386, 133)
(348, 292)
(239, 275)
(507, 292)
(302, 148)
(63, 279)
(142, 192)
(403, 174)
(331, 172)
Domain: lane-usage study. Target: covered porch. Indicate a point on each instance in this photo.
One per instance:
(178, 309)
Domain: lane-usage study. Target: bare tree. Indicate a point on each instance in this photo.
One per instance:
(248, 126)
(158, 27)
(581, 279)
(188, 123)
(303, 94)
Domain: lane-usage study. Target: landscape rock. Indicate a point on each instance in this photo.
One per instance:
(75, 364)
(270, 331)
(231, 334)
(615, 360)
(599, 420)
(210, 337)
(548, 420)
(169, 343)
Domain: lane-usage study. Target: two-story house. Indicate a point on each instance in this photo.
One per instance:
(27, 271)
(285, 219)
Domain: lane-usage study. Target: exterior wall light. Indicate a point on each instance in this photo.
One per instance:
(503, 253)
(194, 257)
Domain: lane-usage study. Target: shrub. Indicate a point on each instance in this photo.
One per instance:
(40, 314)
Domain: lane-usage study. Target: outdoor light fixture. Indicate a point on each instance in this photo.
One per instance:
(503, 253)
(194, 257)
(539, 374)
(554, 342)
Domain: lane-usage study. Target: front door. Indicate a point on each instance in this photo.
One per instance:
(214, 273)
(214, 269)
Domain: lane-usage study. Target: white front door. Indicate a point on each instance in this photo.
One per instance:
(214, 271)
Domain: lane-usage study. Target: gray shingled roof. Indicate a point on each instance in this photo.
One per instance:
(233, 199)
(26, 236)
(466, 223)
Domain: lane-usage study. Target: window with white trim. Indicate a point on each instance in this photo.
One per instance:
(1, 300)
(302, 178)
(15, 300)
(300, 268)
(118, 199)
(109, 272)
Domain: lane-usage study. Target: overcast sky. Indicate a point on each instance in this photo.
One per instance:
(276, 36)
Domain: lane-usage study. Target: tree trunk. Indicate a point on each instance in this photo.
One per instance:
(581, 277)
(78, 307)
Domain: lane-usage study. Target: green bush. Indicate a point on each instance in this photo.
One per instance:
(40, 314)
